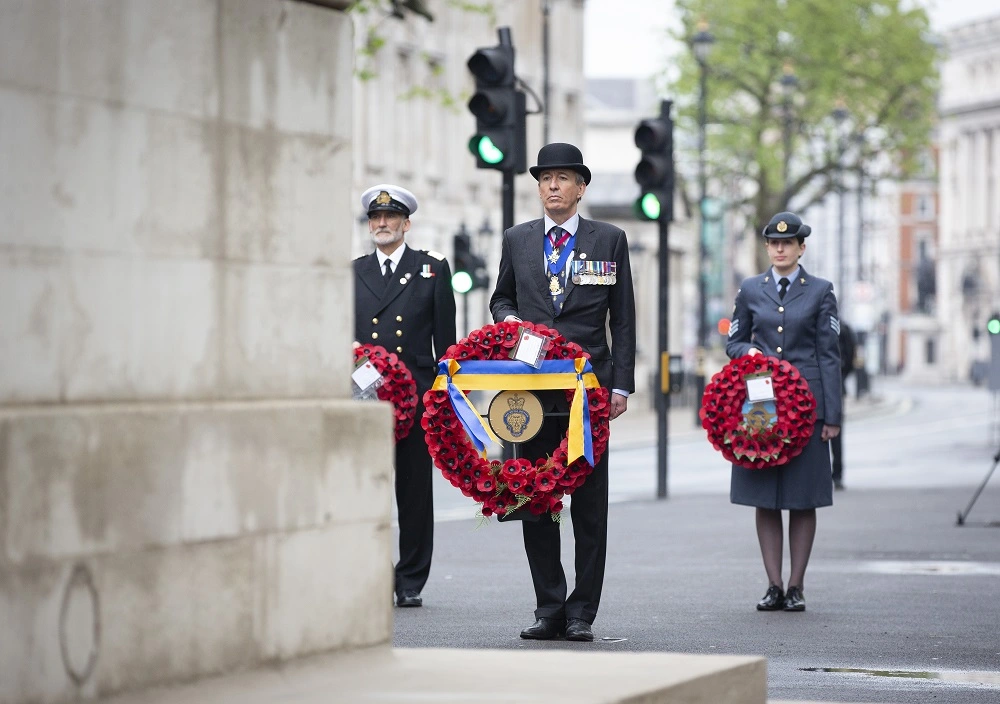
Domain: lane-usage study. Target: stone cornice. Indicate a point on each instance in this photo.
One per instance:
(971, 108)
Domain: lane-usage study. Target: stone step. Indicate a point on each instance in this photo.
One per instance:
(559, 675)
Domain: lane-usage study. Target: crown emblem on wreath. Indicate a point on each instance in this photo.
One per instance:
(515, 402)
(782, 226)
(383, 198)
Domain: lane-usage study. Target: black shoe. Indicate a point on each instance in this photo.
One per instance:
(773, 600)
(838, 485)
(795, 600)
(544, 629)
(578, 629)
(409, 598)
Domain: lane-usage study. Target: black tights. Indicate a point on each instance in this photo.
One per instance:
(801, 532)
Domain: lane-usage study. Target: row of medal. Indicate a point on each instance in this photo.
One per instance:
(594, 272)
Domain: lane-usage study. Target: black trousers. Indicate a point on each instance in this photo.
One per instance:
(589, 513)
(415, 508)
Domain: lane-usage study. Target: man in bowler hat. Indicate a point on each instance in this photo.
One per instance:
(532, 285)
(403, 301)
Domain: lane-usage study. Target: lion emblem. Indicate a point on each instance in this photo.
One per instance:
(516, 418)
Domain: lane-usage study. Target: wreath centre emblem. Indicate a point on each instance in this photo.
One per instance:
(515, 416)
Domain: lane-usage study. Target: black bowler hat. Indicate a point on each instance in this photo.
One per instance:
(560, 155)
(785, 225)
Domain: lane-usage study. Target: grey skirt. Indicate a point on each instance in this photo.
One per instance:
(805, 482)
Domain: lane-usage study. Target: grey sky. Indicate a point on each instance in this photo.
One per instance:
(628, 38)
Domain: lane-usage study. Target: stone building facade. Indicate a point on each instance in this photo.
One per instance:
(968, 267)
(412, 126)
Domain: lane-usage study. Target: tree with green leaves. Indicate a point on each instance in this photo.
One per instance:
(800, 91)
(405, 10)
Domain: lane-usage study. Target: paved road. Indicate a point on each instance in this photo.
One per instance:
(893, 585)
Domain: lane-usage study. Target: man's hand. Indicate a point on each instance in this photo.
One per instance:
(619, 404)
(355, 345)
(830, 432)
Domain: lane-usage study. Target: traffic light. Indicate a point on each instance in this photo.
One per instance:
(993, 324)
(655, 171)
(470, 268)
(500, 109)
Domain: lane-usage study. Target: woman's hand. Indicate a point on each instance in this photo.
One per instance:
(753, 351)
(830, 432)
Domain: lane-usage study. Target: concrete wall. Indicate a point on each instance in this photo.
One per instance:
(182, 491)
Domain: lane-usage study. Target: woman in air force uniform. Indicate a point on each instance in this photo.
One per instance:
(789, 314)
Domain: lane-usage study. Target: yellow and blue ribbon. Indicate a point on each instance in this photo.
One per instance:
(501, 375)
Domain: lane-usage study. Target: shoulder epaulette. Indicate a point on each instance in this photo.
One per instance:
(436, 255)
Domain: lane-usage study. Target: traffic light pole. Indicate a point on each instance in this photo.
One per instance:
(663, 399)
(507, 197)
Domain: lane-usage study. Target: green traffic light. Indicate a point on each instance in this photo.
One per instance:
(461, 281)
(993, 326)
(486, 149)
(650, 206)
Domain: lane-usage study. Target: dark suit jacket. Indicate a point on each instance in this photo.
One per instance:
(414, 319)
(803, 328)
(589, 311)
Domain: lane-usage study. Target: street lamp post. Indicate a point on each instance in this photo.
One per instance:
(702, 45)
(839, 115)
(789, 82)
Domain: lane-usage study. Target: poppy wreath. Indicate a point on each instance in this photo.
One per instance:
(507, 486)
(722, 413)
(398, 386)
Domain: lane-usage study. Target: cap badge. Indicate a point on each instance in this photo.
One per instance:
(383, 198)
(781, 226)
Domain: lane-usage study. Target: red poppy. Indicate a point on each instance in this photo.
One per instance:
(722, 414)
(544, 482)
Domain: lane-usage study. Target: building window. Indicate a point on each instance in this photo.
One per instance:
(929, 351)
(925, 207)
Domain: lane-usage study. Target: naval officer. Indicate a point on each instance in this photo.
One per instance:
(404, 302)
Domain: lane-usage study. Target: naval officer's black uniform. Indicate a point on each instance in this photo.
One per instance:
(412, 315)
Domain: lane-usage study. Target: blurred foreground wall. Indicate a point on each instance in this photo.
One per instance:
(185, 486)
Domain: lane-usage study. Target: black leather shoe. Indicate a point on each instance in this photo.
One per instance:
(409, 599)
(838, 485)
(543, 629)
(795, 600)
(578, 629)
(773, 600)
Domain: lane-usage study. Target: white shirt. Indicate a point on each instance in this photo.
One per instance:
(392, 258)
